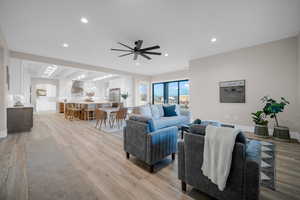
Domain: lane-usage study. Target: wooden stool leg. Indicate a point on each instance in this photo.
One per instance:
(173, 156)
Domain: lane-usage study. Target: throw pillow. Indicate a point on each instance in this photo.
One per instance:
(161, 110)
(155, 111)
(146, 111)
(177, 109)
(170, 111)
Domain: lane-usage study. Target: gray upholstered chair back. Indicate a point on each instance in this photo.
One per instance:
(244, 178)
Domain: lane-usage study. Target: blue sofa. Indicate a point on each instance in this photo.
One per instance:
(159, 121)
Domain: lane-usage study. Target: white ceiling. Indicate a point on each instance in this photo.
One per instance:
(37, 69)
(183, 28)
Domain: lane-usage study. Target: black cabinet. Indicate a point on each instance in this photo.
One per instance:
(19, 119)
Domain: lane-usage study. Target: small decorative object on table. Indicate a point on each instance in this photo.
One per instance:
(261, 124)
(18, 100)
(124, 97)
(272, 108)
(90, 96)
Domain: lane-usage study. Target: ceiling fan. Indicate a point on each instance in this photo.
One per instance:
(138, 50)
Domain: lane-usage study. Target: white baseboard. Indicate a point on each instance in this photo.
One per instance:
(3, 133)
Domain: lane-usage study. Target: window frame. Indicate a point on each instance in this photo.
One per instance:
(166, 91)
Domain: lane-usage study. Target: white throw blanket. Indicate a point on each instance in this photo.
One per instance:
(217, 155)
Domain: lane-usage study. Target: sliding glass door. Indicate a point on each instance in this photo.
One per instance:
(173, 92)
(184, 94)
(158, 93)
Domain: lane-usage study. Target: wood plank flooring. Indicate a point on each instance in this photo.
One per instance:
(62, 159)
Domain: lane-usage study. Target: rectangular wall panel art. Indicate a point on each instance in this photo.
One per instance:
(232, 91)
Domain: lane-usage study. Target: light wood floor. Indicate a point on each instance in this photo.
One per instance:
(60, 159)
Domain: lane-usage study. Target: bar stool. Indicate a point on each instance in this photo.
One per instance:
(89, 112)
(73, 111)
(101, 116)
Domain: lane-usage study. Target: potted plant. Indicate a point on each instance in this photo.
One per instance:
(124, 97)
(272, 108)
(261, 124)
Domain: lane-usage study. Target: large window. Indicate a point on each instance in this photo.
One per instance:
(174, 92)
(158, 93)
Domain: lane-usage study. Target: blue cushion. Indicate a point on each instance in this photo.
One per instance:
(164, 122)
(170, 111)
(144, 119)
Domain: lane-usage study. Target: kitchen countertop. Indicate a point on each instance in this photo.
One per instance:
(85, 102)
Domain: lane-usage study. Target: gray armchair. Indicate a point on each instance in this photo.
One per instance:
(244, 178)
(147, 144)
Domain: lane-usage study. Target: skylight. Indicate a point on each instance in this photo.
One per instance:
(49, 71)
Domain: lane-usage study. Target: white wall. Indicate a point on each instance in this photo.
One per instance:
(101, 87)
(171, 76)
(20, 80)
(4, 61)
(269, 69)
(38, 101)
(299, 74)
(65, 87)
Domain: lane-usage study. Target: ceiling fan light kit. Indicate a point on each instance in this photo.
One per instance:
(138, 50)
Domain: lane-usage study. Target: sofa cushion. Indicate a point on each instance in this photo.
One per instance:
(177, 109)
(170, 111)
(146, 111)
(157, 111)
(164, 122)
(144, 119)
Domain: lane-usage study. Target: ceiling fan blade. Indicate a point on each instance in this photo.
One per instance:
(152, 53)
(121, 50)
(125, 45)
(126, 54)
(145, 56)
(135, 56)
(150, 48)
(138, 44)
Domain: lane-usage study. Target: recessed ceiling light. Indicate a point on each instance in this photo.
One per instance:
(84, 20)
(213, 39)
(166, 54)
(137, 63)
(65, 45)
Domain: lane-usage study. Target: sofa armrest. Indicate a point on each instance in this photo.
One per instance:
(161, 143)
(181, 160)
(135, 138)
